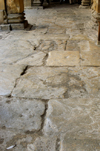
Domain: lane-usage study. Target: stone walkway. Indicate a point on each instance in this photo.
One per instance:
(50, 83)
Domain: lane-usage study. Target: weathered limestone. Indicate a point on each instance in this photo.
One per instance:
(84, 144)
(20, 52)
(47, 83)
(76, 118)
(63, 58)
(50, 108)
(21, 114)
(44, 143)
(89, 53)
(8, 76)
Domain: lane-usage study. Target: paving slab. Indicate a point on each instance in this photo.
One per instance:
(61, 82)
(89, 53)
(21, 114)
(8, 76)
(63, 58)
(77, 118)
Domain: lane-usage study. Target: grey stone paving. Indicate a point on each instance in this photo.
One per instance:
(50, 83)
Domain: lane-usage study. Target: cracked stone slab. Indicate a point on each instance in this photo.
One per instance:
(63, 58)
(21, 114)
(76, 117)
(12, 51)
(8, 76)
(42, 82)
(36, 59)
(90, 54)
(61, 82)
(43, 143)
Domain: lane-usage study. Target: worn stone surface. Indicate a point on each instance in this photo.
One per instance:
(50, 108)
(46, 83)
(77, 117)
(44, 144)
(63, 58)
(8, 77)
(42, 82)
(36, 59)
(76, 144)
(90, 54)
(21, 114)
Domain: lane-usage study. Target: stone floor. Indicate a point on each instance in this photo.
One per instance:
(50, 83)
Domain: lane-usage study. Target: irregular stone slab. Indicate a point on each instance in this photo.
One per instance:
(63, 58)
(90, 54)
(21, 114)
(84, 82)
(52, 45)
(13, 50)
(8, 76)
(76, 144)
(43, 143)
(76, 117)
(62, 82)
(42, 82)
(36, 59)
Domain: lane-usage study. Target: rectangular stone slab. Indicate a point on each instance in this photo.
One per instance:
(63, 58)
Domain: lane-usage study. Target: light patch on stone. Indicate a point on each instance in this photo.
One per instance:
(63, 58)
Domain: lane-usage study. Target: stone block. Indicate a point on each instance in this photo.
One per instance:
(19, 26)
(63, 58)
(21, 114)
(76, 117)
(90, 54)
(5, 27)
